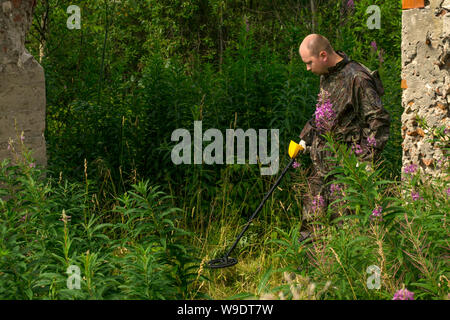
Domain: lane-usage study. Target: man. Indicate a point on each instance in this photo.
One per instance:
(360, 120)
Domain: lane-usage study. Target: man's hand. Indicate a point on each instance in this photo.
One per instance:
(305, 147)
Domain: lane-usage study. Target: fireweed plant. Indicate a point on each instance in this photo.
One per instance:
(400, 227)
(47, 226)
(324, 115)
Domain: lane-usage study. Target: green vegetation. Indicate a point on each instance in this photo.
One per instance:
(141, 227)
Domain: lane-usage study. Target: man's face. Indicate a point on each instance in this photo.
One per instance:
(317, 65)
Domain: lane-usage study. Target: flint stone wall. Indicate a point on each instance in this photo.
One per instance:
(426, 83)
(22, 83)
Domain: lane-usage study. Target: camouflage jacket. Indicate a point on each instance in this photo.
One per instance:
(355, 96)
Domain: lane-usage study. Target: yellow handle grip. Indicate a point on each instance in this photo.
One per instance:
(294, 149)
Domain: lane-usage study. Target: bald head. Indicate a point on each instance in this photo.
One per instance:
(318, 54)
(315, 43)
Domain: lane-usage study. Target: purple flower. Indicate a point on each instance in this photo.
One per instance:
(65, 218)
(373, 44)
(336, 191)
(376, 213)
(10, 144)
(295, 165)
(448, 192)
(323, 95)
(22, 137)
(410, 169)
(350, 4)
(415, 196)
(318, 202)
(371, 141)
(357, 149)
(334, 188)
(403, 294)
(32, 165)
(324, 114)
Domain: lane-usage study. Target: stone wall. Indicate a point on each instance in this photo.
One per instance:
(22, 83)
(426, 82)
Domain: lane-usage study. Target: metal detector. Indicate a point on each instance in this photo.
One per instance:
(226, 261)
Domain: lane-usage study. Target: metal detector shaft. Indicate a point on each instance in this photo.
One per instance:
(260, 207)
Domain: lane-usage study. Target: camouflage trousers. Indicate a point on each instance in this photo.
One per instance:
(322, 193)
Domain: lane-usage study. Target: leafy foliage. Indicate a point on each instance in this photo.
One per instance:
(47, 228)
(408, 243)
